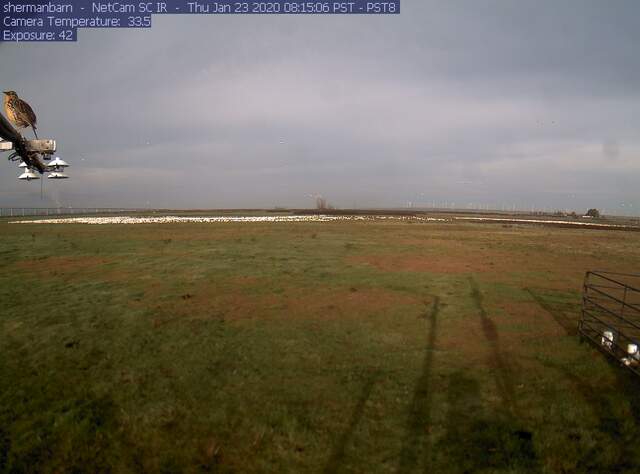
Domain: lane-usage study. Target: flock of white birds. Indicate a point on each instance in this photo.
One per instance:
(308, 218)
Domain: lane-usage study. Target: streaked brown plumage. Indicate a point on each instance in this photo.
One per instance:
(19, 112)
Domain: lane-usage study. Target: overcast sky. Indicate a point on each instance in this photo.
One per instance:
(499, 103)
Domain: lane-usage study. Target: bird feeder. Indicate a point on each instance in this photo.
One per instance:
(58, 175)
(57, 166)
(28, 175)
(57, 163)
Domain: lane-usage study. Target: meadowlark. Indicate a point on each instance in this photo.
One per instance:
(19, 112)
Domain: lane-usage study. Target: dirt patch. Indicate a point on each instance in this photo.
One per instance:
(497, 335)
(61, 265)
(422, 263)
(202, 306)
(236, 303)
(529, 315)
(245, 281)
(339, 303)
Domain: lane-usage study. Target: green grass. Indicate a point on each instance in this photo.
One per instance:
(307, 347)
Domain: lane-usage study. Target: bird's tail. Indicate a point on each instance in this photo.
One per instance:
(34, 131)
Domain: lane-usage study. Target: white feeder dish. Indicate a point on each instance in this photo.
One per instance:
(22, 165)
(57, 162)
(57, 175)
(28, 175)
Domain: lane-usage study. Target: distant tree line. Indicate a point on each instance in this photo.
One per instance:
(322, 205)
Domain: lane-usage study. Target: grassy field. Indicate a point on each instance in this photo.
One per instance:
(308, 347)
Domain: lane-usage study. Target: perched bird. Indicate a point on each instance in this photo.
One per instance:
(19, 112)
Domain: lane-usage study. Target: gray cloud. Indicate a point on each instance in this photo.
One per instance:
(496, 102)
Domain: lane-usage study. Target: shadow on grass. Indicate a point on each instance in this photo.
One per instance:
(504, 373)
(475, 442)
(557, 306)
(612, 446)
(339, 450)
(70, 435)
(420, 412)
